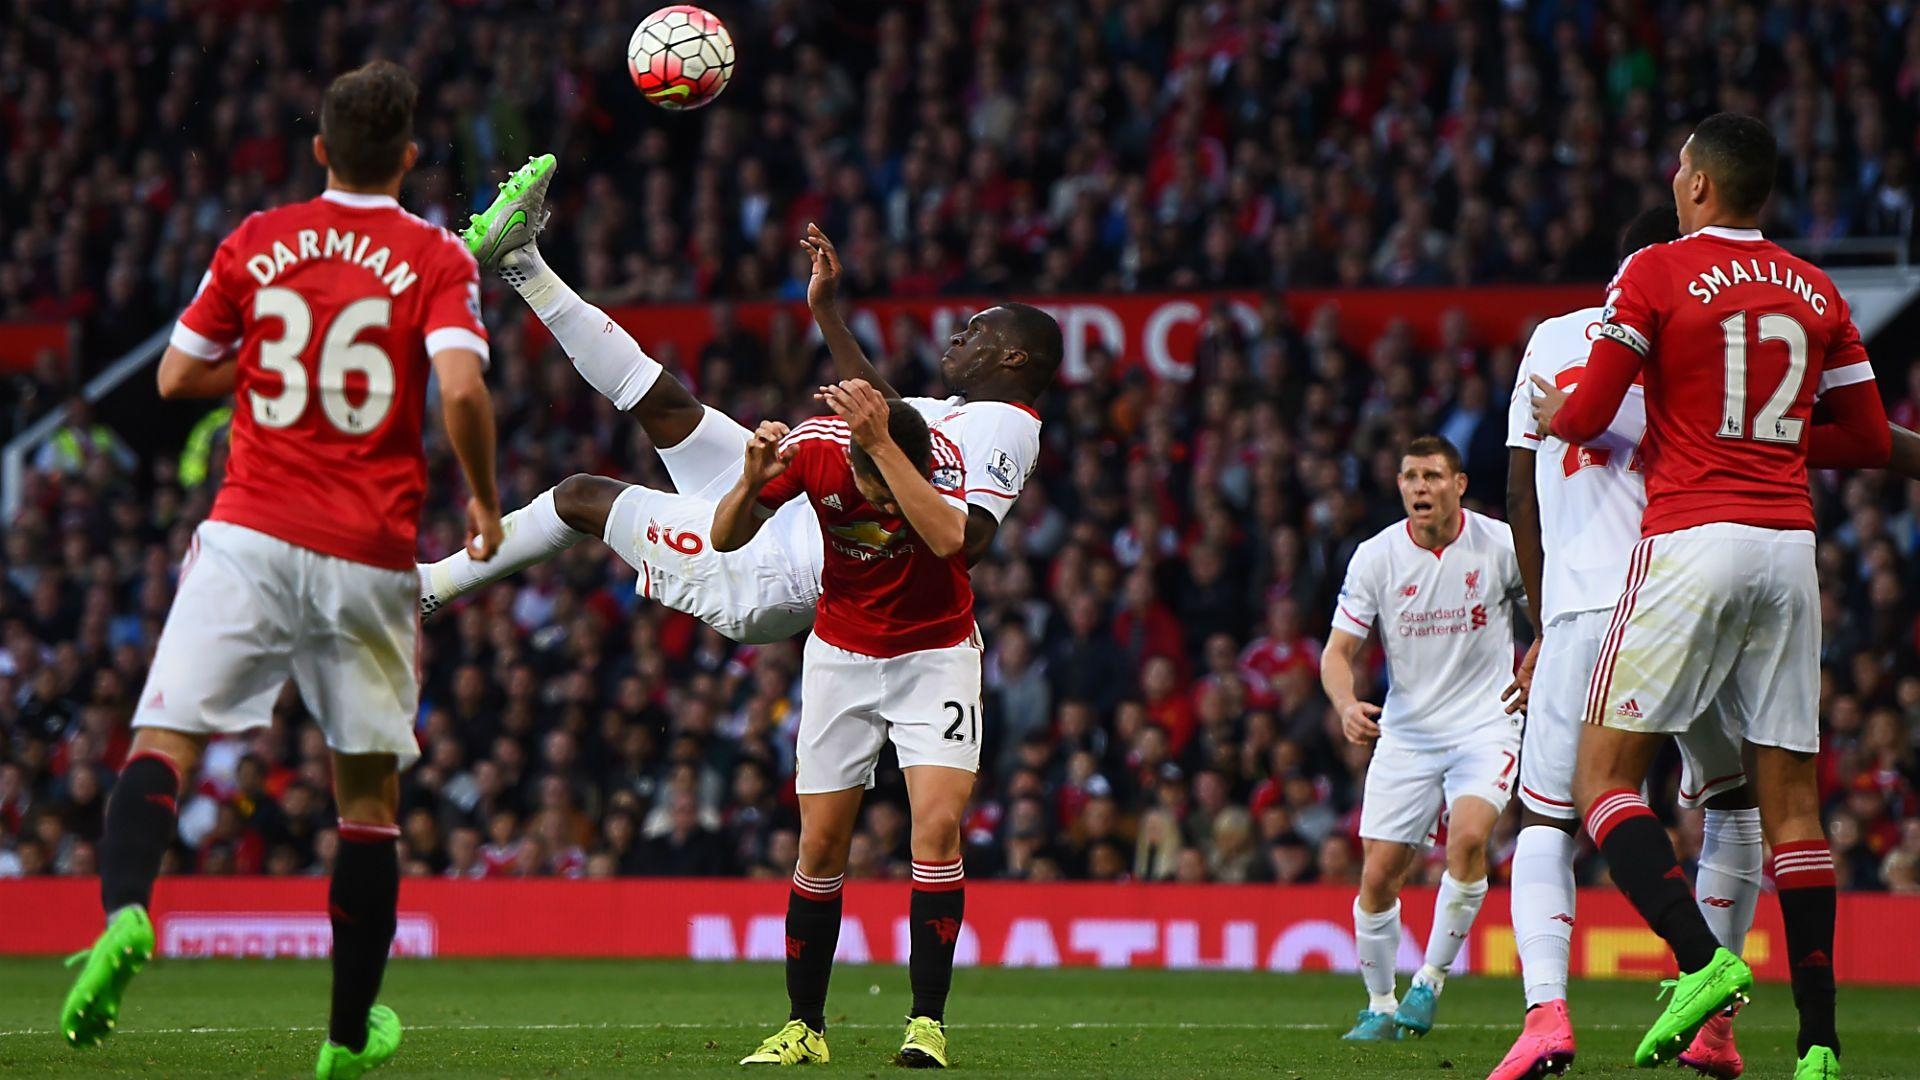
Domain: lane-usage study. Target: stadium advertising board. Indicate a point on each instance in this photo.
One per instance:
(1253, 928)
(1153, 332)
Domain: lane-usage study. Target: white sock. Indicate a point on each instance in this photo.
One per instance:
(533, 534)
(1543, 900)
(1454, 910)
(1728, 885)
(1376, 940)
(601, 350)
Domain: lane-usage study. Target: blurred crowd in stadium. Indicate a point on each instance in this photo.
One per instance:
(1155, 604)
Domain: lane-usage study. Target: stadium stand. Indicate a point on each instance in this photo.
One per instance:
(1154, 609)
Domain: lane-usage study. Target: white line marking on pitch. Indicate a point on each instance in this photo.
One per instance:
(735, 1025)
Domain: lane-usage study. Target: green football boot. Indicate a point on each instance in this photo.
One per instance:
(926, 1044)
(794, 1044)
(1696, 999)
(517, 215)
(383, 1040)
(92, 1008)
(1819, 1064)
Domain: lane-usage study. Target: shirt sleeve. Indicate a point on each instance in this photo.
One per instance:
(212, 324)
(1359, 602)
(949, 471)
(1846, 361)
(1000, 448)
(453, 306)
(1521, 433)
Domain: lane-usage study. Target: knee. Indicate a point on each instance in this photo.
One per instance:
(1467, 859)
(583, 501)
(936, 835)
(1379, 884)
(823, 854)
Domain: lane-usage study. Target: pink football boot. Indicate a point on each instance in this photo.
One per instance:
(1545, 1046)
(1713, 1052)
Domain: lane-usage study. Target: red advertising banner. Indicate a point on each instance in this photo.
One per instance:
(1251, 928)
(22, 342)
(1155, 332)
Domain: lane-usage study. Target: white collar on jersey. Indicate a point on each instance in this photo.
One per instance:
(359, 200)
(1725, 233)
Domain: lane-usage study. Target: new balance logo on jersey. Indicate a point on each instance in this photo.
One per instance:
(1630, 709)
(832, 502)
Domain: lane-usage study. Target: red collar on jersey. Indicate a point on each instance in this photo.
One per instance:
(1442, 550)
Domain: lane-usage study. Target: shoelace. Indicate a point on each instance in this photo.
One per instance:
(1667, 986)
(78, 957)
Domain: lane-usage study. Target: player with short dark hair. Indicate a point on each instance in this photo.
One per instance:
(1440, 587)
(1736, 339)
(324, 318)
(1576, 512)
(894, 657)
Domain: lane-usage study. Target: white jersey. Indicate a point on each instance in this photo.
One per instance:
(1446, 622)
(999, 443)
(1591, 497)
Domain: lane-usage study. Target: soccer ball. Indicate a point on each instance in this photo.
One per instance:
(680, 57)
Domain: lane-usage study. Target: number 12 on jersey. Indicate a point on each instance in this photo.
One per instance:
(1771, 423)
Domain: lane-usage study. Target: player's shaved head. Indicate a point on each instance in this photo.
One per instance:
(909, 432)
(1659, 225)
(1038, 333)
(366, 122)
(1739, 155)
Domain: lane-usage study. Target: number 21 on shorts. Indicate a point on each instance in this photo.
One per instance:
(969, 715)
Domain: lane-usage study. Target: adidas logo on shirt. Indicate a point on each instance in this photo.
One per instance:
(1630, 709)
(832, 502)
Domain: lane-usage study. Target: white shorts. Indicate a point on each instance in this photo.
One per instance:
(253, 610)
(1709, 752)
(1718, 616)
(1407, 789)
(927, 702)
(765, 591)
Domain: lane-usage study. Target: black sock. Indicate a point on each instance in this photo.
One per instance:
(813, 932)
(362, 900)
(1640, 857)
(939, 904)
(1803, 872)
(142, 814)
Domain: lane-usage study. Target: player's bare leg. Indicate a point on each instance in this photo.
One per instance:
(142, 815)
(1728, 883)
(1463, 889)
(813, 926)
(1640, 855)
(938, 795)
(1384, 866)
(1787, 787)
(503, 239)
(363, 899)
(1543, 906)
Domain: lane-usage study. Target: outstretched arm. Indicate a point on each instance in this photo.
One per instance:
(849, 359)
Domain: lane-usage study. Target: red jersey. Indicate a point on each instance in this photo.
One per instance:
(882, 592)
(1736, 339)
(335, 306)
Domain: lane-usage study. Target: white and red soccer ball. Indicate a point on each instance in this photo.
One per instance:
(680, 57)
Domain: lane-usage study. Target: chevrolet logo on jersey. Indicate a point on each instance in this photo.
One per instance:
(867, 534)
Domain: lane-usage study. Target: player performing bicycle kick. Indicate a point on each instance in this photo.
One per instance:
(998, 365)
(895, 656)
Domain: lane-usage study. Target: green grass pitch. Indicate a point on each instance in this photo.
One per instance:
(550, 1018)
